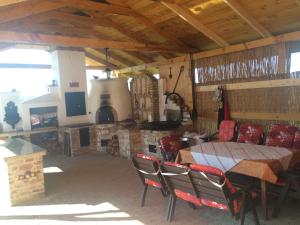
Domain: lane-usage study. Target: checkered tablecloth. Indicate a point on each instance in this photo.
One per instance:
(225, 155)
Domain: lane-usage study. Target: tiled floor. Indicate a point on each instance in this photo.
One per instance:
(100, 189)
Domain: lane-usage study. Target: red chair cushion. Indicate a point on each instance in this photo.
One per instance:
(281, 135)
(296, 143)
(214, 204)
(187, 197)
(148, 157)
(250, 133)
(176, 165)
(152, 183)
(226, 131)
(170, 143)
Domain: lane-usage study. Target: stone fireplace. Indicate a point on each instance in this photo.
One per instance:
(43, 117)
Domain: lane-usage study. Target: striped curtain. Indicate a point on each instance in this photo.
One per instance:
(253, 64)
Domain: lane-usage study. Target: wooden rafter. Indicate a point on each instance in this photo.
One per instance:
(82, 20)
(140, 56)
(168, 36)
(124, 31)
(142, 19)
(10, 2)
(107, 8)
(113, 55)
(235, 6)
(31, 25)
(56, 29)
(100, 54)
(100, 60)
(30, 38)
(191, 19)
(8, 13)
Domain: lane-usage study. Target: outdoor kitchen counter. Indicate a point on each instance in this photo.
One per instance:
(21, 171)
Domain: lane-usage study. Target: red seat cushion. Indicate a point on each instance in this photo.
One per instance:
(187, 197)
(148, 157)
(152, 183)
(226, 131)
(170, 143)
(281, 135)
(176, 165)
(214, 204)
(250, 133)
(296, 143)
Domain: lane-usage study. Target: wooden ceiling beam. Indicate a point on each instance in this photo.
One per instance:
(235, 6)
(102, 7)
(10, 2)
(140, 56)
(82, 20)
(191, 19)
(171, 38)
(100, 54)
(56, 29)
(100, 60)
(124, 31)
(19, 11)
(30, 25)
(119, 58)
(36, 38)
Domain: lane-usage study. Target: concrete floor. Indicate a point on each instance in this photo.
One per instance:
(100, 189)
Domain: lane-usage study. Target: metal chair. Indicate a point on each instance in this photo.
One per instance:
(227, 130)
(147, 168)
(289, 181)
(250, 133)
(206, 186)
(169, 146)
(281, 135)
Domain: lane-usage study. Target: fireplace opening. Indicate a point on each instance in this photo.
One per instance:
(43, 117)
(105, 115)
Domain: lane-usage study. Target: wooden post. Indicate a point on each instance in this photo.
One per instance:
(282, 58)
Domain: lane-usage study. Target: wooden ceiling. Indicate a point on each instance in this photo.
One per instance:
(143, 31)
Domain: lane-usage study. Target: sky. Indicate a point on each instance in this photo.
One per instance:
(30, 82)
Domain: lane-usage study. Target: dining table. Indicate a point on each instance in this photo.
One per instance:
(259, 161)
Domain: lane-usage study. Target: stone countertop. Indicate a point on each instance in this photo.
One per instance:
(79, 125)
(14, 147)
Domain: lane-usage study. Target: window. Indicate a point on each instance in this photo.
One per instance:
(30, 82)
(295, 62)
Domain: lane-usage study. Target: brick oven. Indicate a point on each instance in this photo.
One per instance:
(109, 101)
(109, 104)
(106, 113)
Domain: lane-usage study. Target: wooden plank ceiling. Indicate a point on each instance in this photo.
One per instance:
(143, 31)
